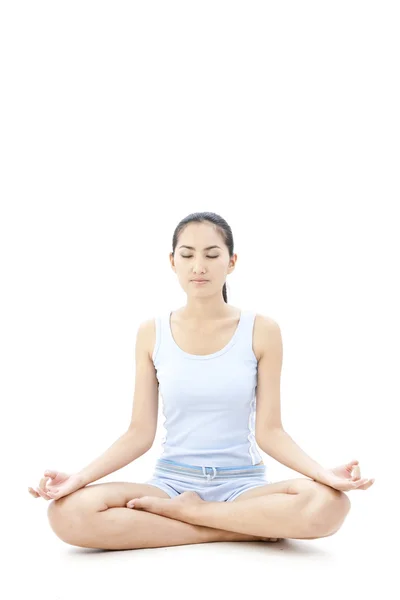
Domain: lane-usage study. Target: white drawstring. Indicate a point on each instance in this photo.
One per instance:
(209, 477)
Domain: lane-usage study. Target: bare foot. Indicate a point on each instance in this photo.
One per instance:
(174, 508)
(167, 507)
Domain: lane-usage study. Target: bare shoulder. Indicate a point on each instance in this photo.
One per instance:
(266, 323)
(146, 334)
(267, 335)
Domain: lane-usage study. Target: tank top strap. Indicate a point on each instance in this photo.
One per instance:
(245, 333)
(162, 335)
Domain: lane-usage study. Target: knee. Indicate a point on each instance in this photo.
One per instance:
(65, 506)
(66, 516)
(328, 511)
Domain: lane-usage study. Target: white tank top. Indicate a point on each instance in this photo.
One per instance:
(208, 400)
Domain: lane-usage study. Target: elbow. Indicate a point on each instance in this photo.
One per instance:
(266, 439)
(137, 435)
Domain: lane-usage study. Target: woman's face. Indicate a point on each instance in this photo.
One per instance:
(206, 258)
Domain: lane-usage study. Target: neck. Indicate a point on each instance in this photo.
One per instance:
(207, 310)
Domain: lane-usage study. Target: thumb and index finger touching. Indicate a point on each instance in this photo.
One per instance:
(40, 490)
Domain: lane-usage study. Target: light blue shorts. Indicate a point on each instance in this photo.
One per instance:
(213, 484)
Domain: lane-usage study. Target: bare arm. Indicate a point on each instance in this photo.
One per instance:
(284, 449)
(126, 449)
(139, 437)
(270, 433)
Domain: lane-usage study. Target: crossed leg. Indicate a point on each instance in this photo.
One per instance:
(299, 508)
(96, 516)
(331, 506)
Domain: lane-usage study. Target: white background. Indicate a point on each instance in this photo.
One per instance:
(118, 119)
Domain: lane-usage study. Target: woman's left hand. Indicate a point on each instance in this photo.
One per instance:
(346, 477)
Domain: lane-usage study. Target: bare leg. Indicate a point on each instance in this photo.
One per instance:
(274, 515)
(280, 515)
(122, 528)
(82, 520)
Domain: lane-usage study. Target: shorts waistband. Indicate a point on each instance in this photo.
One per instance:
(165, 466)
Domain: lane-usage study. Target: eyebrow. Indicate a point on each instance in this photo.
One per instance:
(207, 248)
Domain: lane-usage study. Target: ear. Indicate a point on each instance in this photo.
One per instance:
(233, 261)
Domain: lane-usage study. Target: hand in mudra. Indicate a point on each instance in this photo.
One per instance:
(60, 484)
(346, 477)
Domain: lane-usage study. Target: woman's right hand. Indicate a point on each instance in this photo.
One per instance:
(60, 484)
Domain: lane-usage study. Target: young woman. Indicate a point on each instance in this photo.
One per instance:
(218, 369)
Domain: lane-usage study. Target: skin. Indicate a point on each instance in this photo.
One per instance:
(188, 519)
(205, 303)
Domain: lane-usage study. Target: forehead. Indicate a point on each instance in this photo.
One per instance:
(200, 236)
(193, 247)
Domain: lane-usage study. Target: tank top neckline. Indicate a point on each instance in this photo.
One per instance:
(205, 356)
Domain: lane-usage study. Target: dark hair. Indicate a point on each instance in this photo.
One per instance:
(221, 226)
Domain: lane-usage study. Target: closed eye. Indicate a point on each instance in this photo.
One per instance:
(206, 256)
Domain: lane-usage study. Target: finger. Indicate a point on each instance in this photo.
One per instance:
(33, 492)
(360, 483)
(50, 473)
(42, 483)
(47, 482)
(368, 484)
(42, 494)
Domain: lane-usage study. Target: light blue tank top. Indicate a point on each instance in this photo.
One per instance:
(208, 400)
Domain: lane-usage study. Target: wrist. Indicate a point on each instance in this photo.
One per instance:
(322, 476)
(81, 479)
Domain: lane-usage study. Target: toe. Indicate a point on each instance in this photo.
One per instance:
(145, 502)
